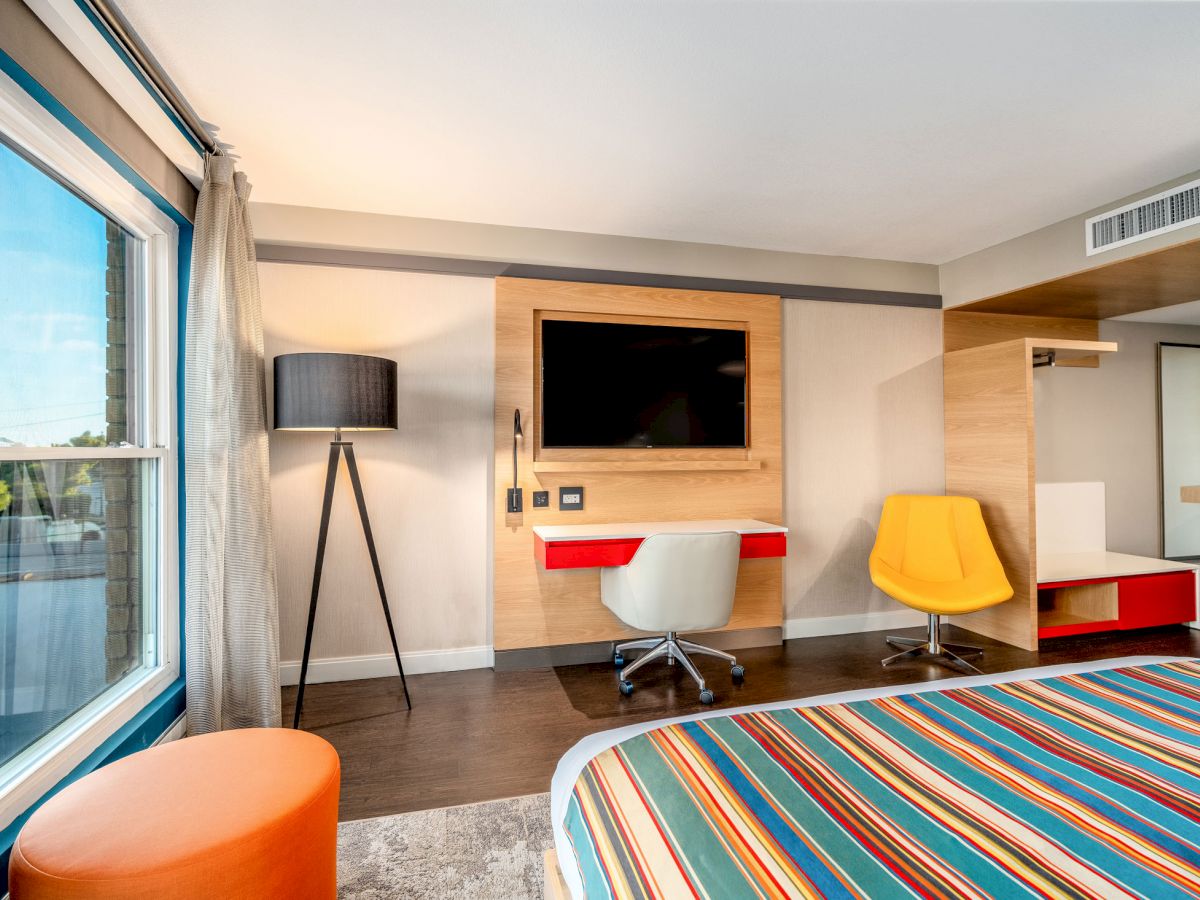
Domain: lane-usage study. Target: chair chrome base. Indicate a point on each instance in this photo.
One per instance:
(672, 648)
(934, 650)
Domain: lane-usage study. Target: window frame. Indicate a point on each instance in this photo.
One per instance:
(28, 126)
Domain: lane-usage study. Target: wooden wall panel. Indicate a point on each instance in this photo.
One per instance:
(990, 455)
(536, 608)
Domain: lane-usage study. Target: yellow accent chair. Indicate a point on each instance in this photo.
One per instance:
(934, 554)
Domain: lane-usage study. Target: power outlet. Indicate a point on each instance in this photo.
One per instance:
(541, 499)
(570, 498)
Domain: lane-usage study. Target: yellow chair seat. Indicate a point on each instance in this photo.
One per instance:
(943, 598)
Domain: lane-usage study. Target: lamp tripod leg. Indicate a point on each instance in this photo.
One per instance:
(366, 524)
(322, 535)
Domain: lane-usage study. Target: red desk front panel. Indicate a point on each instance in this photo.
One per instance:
(619, 551)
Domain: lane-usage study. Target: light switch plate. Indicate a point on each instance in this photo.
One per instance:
(570, 498)
(541, 499)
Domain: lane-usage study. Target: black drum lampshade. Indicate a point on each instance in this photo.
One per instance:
(324, 391)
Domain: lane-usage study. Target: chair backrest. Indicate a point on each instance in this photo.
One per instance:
(934, 538)
(683, 582)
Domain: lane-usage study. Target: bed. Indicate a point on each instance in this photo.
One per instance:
(1062, 781)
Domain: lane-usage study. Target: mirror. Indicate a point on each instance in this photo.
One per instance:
(1179, 447)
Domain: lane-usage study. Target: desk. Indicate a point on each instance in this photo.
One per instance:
(592, 546)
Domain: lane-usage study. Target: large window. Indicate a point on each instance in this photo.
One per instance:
(88, 622)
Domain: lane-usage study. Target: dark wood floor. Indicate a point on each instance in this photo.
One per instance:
(479, 735)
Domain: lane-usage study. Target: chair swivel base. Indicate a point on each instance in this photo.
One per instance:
(671, 648)
(933, 650)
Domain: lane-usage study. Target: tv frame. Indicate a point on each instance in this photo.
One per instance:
(616, 454)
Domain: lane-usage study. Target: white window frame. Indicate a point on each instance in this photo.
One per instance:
(27, 125)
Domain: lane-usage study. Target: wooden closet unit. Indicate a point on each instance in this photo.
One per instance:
(991, 456)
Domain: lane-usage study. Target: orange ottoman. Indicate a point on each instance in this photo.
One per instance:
(250, 813)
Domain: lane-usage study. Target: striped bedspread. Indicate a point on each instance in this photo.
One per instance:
(1082, 785)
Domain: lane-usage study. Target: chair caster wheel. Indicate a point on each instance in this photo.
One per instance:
(738, 673)
(626, 687)
(618, 660)
(707, 697)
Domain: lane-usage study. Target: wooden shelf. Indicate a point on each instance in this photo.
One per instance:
(649, 465)
(1067, 351)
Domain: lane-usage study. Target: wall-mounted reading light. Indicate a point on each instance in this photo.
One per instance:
(514, 492)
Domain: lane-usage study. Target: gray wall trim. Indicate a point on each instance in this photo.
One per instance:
(601, 651)
(737, 286)
(373, 259)
(368, 259)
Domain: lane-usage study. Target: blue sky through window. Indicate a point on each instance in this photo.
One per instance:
(53, 258)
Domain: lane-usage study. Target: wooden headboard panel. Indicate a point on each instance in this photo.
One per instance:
(536, 608)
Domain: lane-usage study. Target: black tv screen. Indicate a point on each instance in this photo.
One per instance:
(619, 385)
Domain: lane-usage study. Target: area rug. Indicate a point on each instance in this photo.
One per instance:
(483, 851)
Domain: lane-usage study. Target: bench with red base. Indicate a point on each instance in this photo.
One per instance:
(1081, 593)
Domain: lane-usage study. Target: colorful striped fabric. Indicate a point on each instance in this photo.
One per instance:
(1081, 785)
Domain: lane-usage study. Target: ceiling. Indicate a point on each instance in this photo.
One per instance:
(1180, 314)
(897, 130)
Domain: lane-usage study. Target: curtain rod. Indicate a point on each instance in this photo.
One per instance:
(122, 32)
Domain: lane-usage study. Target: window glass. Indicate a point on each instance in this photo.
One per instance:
(64, 284)
(76, 546)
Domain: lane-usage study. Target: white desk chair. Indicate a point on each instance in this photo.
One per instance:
(675, 582)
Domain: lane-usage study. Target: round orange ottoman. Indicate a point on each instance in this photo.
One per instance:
(250, 813)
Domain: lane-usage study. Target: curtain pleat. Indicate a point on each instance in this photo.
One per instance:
(231, 607)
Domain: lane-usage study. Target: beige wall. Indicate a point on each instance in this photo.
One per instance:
(306, 226)
(1102, 425)
(427, 484)
(1046, 254)
(862, 419)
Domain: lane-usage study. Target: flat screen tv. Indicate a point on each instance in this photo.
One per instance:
(607, 384)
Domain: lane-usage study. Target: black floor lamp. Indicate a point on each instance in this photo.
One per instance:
(337, 392)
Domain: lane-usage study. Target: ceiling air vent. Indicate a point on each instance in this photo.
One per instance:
(1163, 212)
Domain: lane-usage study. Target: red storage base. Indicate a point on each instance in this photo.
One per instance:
(619, 551)
(1143, 601)
(1149, 600)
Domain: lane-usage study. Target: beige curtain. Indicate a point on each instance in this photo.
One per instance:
(232, 618)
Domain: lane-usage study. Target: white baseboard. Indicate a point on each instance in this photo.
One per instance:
(383, 665)
(870, 621)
